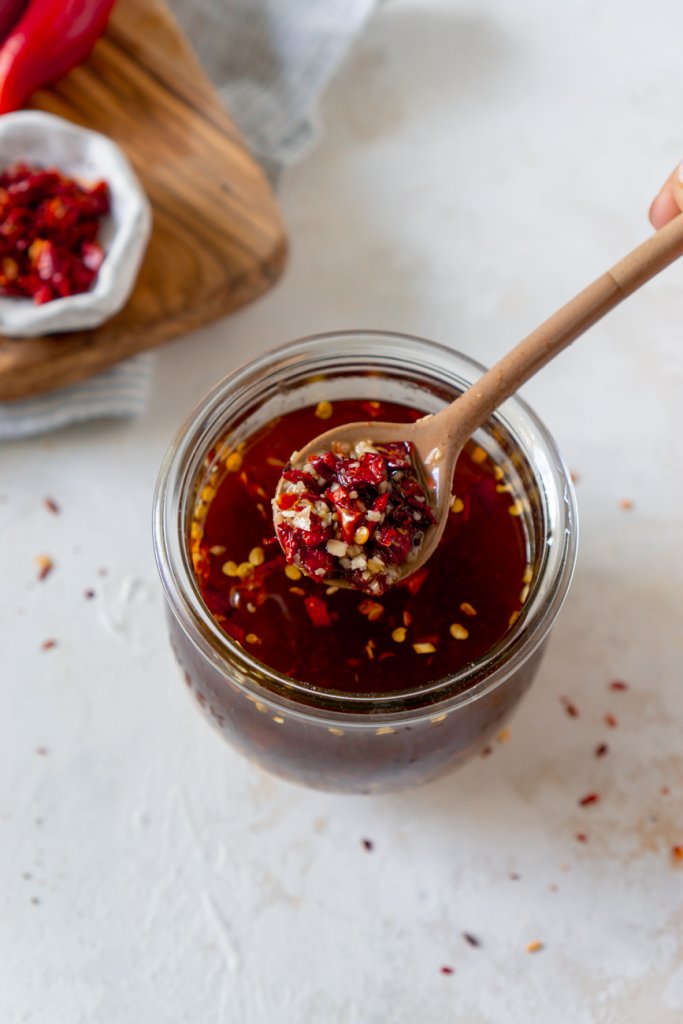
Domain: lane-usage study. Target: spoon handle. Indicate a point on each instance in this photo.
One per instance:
(462, 417)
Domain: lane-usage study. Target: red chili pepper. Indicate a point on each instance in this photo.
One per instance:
(10, 12)
(51, 38)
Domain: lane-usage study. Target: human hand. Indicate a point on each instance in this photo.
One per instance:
(668, 202)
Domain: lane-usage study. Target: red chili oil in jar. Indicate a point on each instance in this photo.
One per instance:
(444, 617)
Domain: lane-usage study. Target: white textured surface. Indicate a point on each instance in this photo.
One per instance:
(33, 137)
(482, 161)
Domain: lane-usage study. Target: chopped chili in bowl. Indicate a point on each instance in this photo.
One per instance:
(49, 228)
(355, 513)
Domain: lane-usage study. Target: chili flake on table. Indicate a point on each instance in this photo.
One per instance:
(49, 225)
(338, 638)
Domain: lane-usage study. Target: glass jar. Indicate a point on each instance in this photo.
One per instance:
(360, 742)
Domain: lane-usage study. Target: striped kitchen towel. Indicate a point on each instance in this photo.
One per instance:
(270, 61)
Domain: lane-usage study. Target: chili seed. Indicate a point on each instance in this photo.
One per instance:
(292, 572)
(256, 556)
(233, 463)
(361, 535)
(458, 632)
(426, 648)
(324, 410)
(467, 609)
(399, 635)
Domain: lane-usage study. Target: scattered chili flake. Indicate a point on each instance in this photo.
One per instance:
(49, 225)
(88, 594)
(582, 837)
(665, 790)
(611, 721)
(48, 645)
(590, 798)
(45, 566)
(42, 751)
(534, 947)
(52, 506)
(486, 751)
(570, 707)
(371, 409)
(447, 970)
(677, 853)
(368, 845)
(317, 611)
(601, 750)
(414, 583)
(372, 610)
(626, 504)
(618, 685)
(515, 877)
(471, 939)
(503, 736)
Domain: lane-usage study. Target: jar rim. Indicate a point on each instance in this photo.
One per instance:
(470, 683)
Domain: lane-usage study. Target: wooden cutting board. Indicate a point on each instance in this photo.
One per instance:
(217, 241)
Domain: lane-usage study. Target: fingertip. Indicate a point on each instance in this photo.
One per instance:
(664, 207)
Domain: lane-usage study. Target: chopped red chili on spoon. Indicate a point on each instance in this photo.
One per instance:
(353, 514)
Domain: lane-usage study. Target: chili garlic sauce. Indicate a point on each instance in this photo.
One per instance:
(446, 615)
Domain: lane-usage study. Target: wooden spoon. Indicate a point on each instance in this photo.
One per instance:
(439, 438)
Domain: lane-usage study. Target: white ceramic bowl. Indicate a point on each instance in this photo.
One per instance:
(45, 140)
